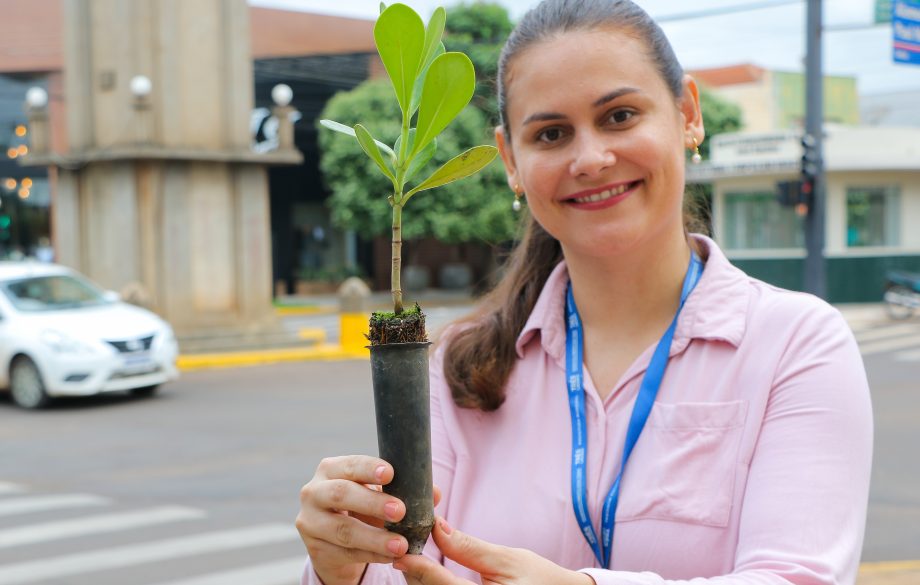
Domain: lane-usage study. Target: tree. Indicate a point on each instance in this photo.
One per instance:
(480, 30)
(719, 116)
(475, 209)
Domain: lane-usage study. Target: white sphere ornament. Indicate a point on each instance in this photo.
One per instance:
(516, 205)
(140, 86)
(282, 94)
(36, 97)
(697, 158)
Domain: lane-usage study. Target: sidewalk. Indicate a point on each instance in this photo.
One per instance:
(317, 347)
(315, 344)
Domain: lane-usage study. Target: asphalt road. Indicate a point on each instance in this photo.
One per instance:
(199, 485)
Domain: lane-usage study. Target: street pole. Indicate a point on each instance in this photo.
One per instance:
(815, 277)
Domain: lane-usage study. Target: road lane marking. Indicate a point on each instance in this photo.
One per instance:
(886, 331)
(890, 345)
(136, 554)
(284, 572)
(908, 356)
(7, 488)
(62, 529)
(26, 505)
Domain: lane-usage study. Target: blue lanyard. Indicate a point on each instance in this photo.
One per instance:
(643, 406)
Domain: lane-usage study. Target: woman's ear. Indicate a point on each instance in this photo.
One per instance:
(504, 149)
(691, 111)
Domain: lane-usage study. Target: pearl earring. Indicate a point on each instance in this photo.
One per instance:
(697, 158)
(516, 204)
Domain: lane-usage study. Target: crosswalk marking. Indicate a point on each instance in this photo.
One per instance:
(62, 529)
(884, 345)
(285, 572)
(25, 505)
(886, 331)
(124, 556)
(908, 356)
(7, 488)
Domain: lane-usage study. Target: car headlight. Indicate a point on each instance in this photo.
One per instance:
(62, 343)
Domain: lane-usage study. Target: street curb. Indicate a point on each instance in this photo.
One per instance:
(323, 351)
(889, 573)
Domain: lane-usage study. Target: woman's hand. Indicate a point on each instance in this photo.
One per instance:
(497, 565)
(342, 512)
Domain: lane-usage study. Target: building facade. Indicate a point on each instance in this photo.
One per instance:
(873, 206)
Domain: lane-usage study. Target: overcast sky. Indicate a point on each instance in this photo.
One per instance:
(770, 37)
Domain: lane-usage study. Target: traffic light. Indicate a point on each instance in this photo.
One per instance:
(789, 193)
(811, 165)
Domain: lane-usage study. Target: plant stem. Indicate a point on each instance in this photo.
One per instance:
(395, 285)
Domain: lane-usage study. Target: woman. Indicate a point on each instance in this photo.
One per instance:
(623, 368)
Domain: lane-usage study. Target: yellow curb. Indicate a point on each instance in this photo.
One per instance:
(316, 334)
(304, 310)
(889, 573)
(324, 351)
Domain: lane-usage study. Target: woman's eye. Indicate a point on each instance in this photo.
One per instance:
(549, 135)
(621, 116)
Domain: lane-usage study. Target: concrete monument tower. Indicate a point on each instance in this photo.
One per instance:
(159, 192)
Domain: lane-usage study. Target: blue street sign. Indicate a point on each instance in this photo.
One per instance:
(905, 26)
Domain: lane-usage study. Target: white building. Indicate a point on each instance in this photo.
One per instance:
(872, 213)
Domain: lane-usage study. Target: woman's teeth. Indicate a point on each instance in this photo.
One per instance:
(604, 194)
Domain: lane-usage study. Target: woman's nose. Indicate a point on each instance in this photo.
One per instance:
(591, 155)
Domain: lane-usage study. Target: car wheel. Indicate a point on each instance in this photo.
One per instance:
(144, 392)
(26, 385)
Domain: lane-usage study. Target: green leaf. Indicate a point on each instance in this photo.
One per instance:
(332, 125)
(420, 81)
(433, 33)
(462, 165)
(369, 145)
(420, 160)
(382, 7)
(400, 37)
(448, 88)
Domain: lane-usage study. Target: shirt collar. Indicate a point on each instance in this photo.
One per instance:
(715, 310)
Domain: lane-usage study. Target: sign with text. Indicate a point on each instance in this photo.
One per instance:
(905, 26)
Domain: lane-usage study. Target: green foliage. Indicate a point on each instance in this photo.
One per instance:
(477, 208)
(479, 30)
(719, 116)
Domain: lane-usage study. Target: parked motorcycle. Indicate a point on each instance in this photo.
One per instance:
(902, 294)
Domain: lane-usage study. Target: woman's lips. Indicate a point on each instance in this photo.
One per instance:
(605, 198)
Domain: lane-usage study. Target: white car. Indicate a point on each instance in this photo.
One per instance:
(61, 335)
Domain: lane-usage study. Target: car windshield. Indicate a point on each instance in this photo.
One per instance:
(50, 293)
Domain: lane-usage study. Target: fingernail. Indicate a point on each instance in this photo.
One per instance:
(391, 509)
(445, 527)
(399, 566)
(395, 546)
(378, 473)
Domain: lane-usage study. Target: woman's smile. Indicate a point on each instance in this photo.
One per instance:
(602, 197)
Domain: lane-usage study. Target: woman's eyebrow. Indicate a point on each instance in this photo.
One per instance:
(609, 97)
(614, 95)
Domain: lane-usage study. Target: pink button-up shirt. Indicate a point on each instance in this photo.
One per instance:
(753, 467)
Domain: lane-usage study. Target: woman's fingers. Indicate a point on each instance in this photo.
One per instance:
(334, 554)
(358, 468)
(348, 496)
(420, 570)
(350, 533)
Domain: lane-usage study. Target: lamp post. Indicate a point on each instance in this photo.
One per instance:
(141, 87)
(283, 112)
(36, 107)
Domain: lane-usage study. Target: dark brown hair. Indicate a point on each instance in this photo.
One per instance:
(481, 348)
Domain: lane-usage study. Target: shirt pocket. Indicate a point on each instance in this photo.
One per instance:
(689, 453)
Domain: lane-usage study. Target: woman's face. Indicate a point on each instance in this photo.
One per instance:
(597, 140)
